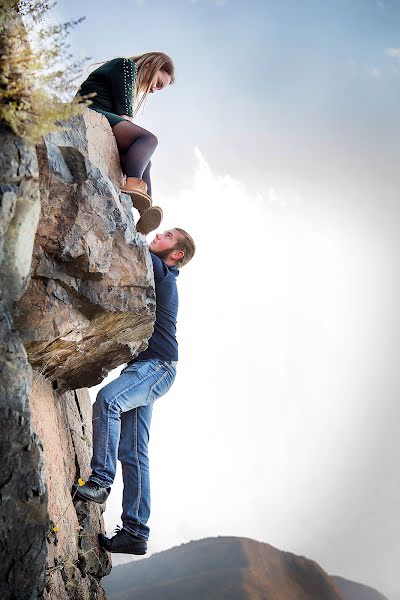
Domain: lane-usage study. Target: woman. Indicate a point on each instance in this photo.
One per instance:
(117, 89)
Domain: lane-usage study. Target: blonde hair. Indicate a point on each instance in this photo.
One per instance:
(147, 66)
(187, 245)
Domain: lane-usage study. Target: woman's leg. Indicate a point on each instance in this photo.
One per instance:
(146, 177)
(146, 172)
(136, 146)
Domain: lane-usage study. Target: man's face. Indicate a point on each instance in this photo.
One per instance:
(164, 243)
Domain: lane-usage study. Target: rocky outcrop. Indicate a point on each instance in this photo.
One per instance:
(23, 506)
(75, 562)
(84, 305)
(90, 303)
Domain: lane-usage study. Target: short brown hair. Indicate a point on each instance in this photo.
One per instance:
(187, 245)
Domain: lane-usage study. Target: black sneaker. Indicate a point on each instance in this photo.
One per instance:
(123, 542)
(92, 491)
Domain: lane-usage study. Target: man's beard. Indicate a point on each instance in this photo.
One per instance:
(164, 254)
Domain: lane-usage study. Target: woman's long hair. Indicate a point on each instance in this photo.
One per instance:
(147, 66)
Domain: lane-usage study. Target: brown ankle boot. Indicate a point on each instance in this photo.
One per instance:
(150, 219)
(137, 190)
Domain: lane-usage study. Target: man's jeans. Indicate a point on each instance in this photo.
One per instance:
(121, 423)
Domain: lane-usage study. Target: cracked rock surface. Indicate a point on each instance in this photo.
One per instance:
(75, 561)
(23, 497)
(89, 307)
(90, 304)
(76, 300)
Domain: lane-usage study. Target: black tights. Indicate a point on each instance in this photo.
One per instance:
(136, 146)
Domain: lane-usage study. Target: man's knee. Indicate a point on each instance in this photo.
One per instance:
(134, 455)
(103, 397)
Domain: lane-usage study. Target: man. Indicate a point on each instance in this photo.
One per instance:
(123, 408)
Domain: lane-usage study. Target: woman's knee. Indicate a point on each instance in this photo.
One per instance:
(127, 133)
(152, 139)
(147, 138)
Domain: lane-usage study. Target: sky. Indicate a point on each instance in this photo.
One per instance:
(278, 151)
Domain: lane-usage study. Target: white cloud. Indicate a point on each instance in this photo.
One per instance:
(375, 72)
(280, 334)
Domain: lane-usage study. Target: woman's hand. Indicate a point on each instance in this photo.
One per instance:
(127, 118)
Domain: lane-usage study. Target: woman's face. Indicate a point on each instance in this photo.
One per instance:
(160, 81)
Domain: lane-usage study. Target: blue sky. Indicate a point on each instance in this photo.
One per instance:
(255, 79)
(279, 151)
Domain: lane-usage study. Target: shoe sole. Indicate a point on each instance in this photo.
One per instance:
(140, 200)
(150, 220)
(124, 552)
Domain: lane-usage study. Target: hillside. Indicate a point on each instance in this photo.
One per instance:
(221, 568)
(351, 590)
(229, 568)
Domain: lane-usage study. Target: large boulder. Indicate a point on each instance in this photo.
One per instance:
(90, 304)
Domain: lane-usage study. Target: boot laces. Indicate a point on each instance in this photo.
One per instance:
(118, 530)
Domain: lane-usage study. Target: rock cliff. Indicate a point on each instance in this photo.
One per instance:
(87, 306)
(90, 303)
(23, 496)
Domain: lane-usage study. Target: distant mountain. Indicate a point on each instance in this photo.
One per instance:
(351, 590)
(223, 568)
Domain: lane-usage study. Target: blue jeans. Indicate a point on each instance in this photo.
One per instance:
(121, 423)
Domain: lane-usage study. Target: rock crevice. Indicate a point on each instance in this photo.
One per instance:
(23, 494)
(77, 300)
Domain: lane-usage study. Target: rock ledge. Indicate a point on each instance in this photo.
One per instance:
(90, 304)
